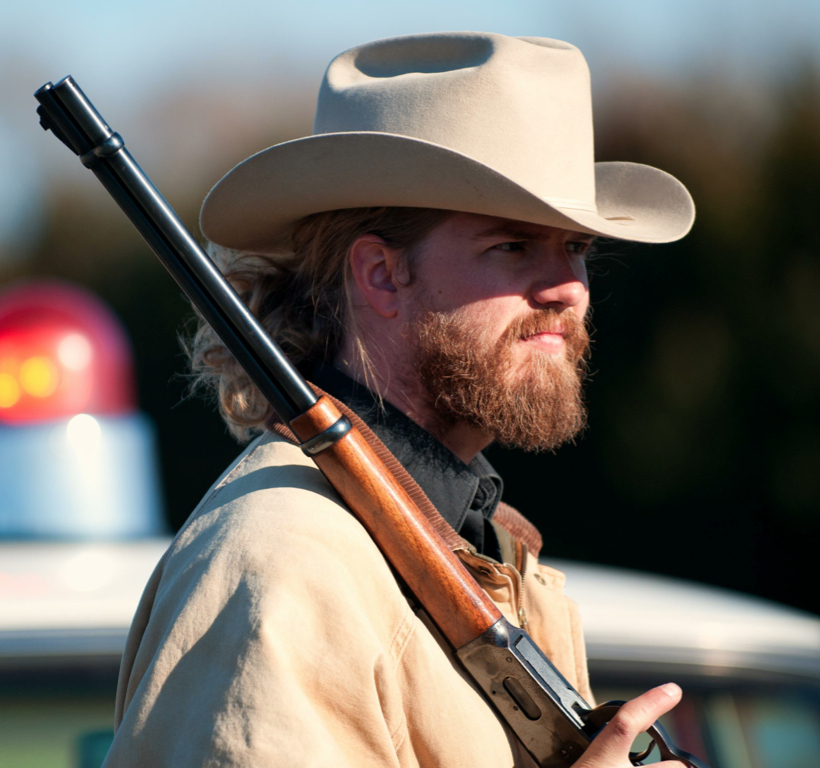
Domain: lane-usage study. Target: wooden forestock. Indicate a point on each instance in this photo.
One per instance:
(456, 603)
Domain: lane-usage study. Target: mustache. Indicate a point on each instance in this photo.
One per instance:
(549, 320)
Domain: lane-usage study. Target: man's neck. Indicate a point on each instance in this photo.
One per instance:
(404, 391)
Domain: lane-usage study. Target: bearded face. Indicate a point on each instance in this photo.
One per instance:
(534, 403)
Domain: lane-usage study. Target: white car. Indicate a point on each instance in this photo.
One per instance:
(750, 669)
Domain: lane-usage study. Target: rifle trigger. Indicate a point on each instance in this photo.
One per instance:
(637, 758)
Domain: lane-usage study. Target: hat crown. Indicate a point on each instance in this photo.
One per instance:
(462, 121)
(522, 106)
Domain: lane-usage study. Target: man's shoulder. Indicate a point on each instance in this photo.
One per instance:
(271, 547)
(269, 461)
(272, 527)
(271, 489)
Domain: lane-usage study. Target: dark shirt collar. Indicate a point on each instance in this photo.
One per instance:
(466, 495)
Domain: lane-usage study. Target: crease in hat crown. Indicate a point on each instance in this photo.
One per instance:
(481, 95)
(467, 121)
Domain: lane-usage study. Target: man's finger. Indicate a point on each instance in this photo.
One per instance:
(612, 745)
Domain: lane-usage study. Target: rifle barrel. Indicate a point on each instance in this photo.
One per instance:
(66, 110)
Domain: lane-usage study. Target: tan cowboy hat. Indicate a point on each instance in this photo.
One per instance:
(464, 121)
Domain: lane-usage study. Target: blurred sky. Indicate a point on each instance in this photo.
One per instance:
(154, 38)
(123, 54)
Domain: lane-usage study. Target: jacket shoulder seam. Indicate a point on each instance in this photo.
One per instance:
(398, 738)
(401, 637)
(398, 645)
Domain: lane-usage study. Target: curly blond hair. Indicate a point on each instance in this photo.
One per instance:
(301, 297)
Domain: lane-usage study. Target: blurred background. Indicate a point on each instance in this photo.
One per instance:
(702, 459)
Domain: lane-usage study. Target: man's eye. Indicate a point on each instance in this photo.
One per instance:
(578, 246)
(514, 247)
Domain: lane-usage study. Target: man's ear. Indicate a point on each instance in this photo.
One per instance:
(373, 264)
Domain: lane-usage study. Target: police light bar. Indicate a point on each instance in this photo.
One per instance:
(62, 352)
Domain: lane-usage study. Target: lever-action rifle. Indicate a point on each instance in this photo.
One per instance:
(547, 714)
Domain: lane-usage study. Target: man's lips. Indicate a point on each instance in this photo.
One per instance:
(558, 330)
(552, 339)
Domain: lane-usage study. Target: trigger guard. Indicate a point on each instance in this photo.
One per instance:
(637, 758)
(598, 717)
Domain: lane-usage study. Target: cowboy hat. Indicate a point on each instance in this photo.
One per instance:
(464, 121)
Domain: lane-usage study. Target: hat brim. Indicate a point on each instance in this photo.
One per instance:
(254, 206)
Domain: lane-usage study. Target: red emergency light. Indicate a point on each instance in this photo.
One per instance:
(62, 352)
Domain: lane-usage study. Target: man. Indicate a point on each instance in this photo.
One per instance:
(421, 258)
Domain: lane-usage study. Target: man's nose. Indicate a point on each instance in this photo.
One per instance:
(561, 285)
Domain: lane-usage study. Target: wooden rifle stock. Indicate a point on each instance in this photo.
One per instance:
(547, 714)
(457, 604)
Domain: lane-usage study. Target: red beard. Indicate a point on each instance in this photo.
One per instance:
(470, 379)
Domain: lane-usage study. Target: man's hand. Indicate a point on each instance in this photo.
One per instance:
(611, 747)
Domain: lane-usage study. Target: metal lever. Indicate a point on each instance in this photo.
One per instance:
(668, 750)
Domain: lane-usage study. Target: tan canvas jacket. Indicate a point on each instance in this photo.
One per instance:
(273, 633)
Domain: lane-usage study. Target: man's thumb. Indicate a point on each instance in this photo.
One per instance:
(612, 745)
